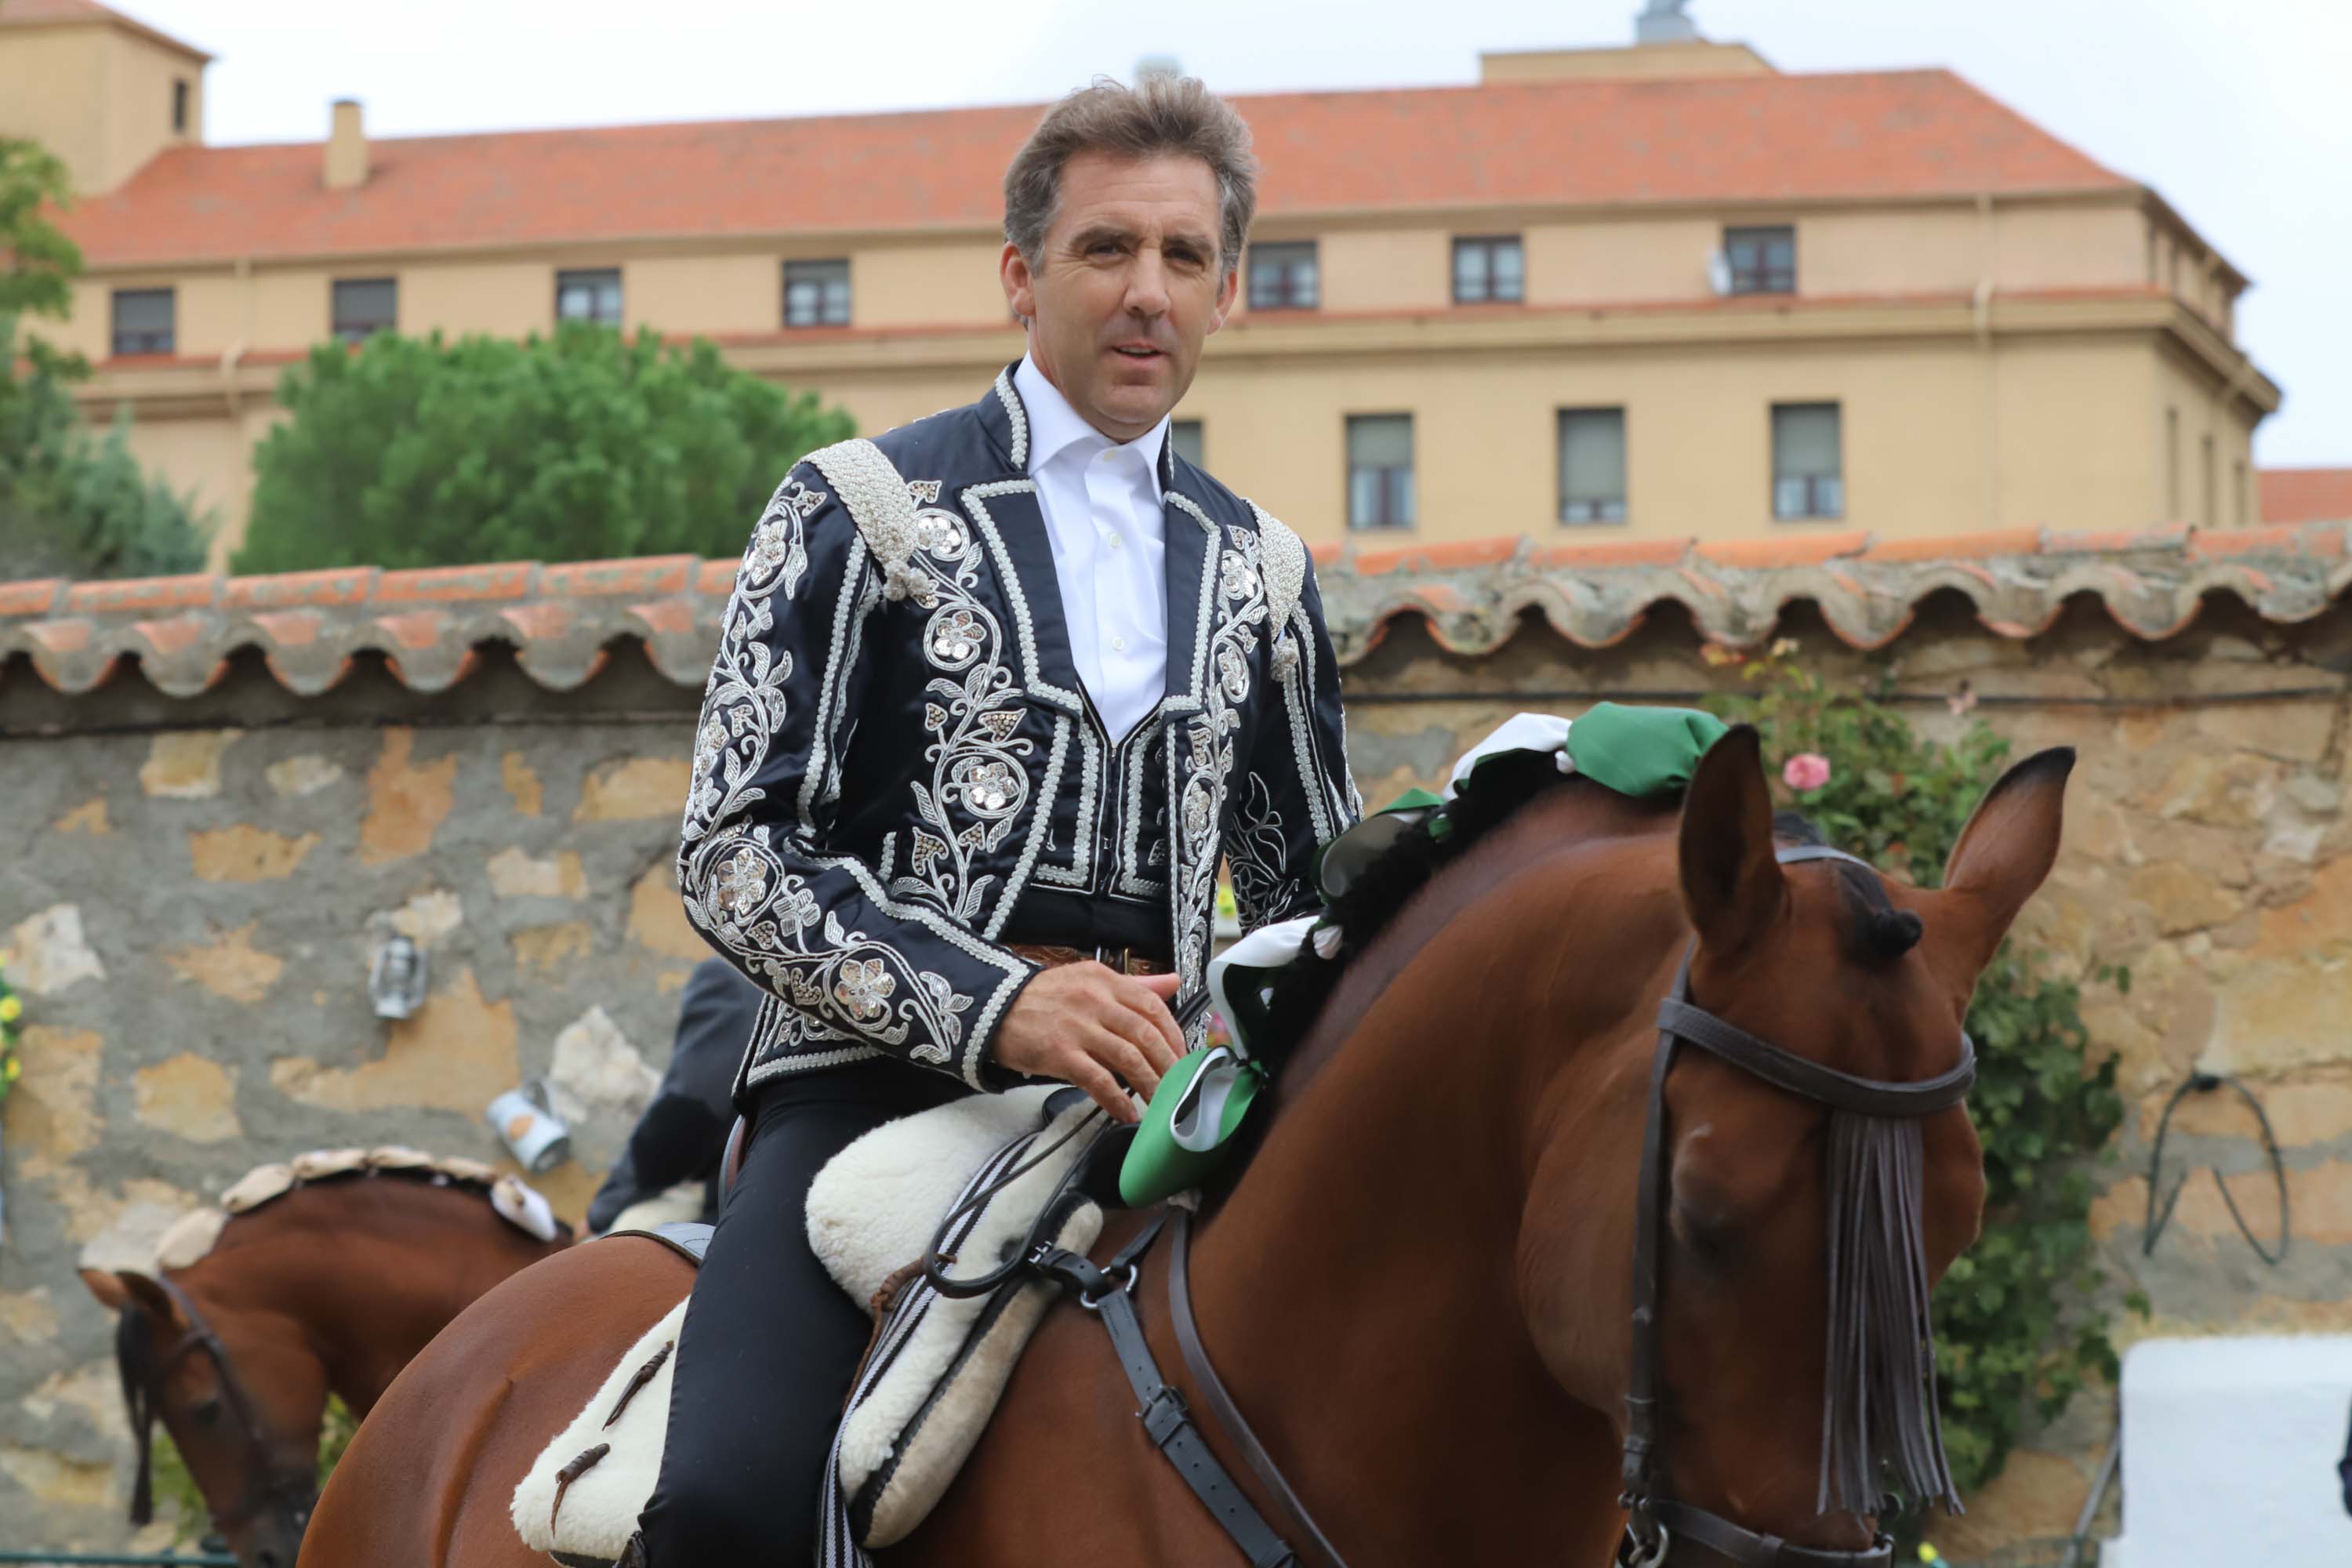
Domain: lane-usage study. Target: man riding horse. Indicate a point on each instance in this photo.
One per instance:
(995, 694)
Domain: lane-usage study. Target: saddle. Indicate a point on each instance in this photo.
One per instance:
(999, 1167)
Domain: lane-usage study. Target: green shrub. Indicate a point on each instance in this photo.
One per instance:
(74, 503)
(176, 1489)
(2016, 1331)
(586, 446)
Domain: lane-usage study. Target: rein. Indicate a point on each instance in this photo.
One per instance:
(142, 1393)
(1878, 1393)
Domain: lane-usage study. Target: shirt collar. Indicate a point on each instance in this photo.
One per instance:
(1054, 426)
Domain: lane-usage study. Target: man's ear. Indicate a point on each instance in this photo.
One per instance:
(1020, 285)
(1229, 294)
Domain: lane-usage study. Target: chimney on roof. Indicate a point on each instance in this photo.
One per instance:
(347, 148)
(1663, 22)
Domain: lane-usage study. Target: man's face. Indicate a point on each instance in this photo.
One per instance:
(1126, 285)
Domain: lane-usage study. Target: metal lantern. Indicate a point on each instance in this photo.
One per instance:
(396, 980)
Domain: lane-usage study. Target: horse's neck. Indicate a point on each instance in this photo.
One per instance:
(1361, 1282)
(372, 1269)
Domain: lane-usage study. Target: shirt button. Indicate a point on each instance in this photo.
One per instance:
(1117, 543)
(1118, 645)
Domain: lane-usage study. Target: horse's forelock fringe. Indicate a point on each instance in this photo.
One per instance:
(135, 1362)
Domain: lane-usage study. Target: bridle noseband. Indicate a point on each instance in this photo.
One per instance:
(1874, 1254)
(267, 1482)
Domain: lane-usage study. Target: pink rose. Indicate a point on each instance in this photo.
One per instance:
(1806, 769)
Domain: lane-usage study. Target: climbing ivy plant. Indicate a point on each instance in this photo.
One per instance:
(2016, 1333)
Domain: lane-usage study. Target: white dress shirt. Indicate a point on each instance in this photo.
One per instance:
(1102, 505)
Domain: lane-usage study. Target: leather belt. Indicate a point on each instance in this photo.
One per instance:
(1126, 960)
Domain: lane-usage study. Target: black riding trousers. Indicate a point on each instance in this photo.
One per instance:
(770, 1341)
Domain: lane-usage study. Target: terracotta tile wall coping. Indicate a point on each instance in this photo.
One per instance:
(564, 619)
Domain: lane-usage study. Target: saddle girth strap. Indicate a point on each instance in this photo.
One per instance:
(1221, 1403)
(1109, 1294)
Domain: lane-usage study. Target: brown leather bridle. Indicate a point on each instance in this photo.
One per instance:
(1658, 1527)
(268, 1482)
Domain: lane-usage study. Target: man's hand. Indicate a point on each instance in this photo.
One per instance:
(1081, 1023)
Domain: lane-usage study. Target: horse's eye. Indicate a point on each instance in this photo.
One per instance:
(1709, 1238)
(206, 1413)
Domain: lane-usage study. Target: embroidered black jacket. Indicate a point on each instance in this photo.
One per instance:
(895, 753)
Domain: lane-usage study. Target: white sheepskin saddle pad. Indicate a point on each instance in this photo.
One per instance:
(938, 1365)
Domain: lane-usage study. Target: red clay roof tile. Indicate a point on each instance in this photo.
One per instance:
(1762, 138)
(2306, 495)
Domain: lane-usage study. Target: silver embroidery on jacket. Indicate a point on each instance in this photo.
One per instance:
(978, 784)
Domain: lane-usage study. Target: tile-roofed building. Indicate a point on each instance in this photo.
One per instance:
(2306, 495)
(1713, 140)
(1646, 292)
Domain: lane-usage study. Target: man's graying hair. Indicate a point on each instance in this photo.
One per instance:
(1160, 114)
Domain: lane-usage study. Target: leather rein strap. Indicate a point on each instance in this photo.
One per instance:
(267, 1483)
(1654, 1521)
(1109, 1294)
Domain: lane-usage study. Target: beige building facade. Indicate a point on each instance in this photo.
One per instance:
(1744, 304)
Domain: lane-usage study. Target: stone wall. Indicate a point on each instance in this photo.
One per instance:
(190, 916)
(195, 854)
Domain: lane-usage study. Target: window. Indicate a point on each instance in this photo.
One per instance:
(2238, 490)
(589, 296)
(365, 307)
(1808, 461)
(143, 320)
(2211, 512)
(179, 106)
(1283, 276)
(1763, 260)
(1379, 471)
(1185, 435)
(1593, 465)
(816, 293)
(1493, 269)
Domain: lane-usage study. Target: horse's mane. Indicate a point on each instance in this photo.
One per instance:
(1503, 786)
(194, 1233)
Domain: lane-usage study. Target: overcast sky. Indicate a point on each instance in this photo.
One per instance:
(2238, 113)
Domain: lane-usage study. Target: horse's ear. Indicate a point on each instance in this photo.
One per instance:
(2003, 854)
(106, 1287)
(1732, 887)
(128, 1288)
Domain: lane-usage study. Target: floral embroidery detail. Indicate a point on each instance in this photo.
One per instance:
(955, 637)
(1206, 759)
(940, 532)
(990, 788)
(1257, 850)
(923, 492)
(742, 882)
(1238, 577)
(779, 545)
(864, 987)
(842, 983)
(980, 778)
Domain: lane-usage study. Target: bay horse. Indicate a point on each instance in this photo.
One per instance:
(1420, 1291)
(333, 1286)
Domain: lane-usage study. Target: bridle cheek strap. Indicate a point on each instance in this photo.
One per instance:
(1879, 1392)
